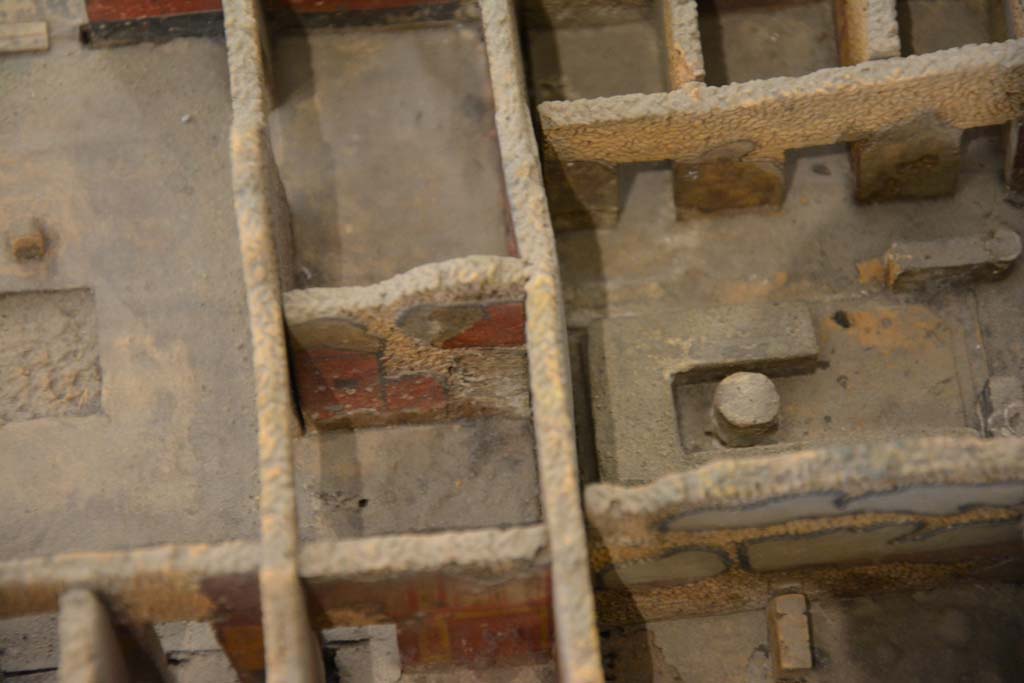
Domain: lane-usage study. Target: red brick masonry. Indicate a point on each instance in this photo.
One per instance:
(342, 382)
(450, 620)
(125, 10)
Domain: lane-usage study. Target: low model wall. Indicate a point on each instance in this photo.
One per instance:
(843, 521)
(440, 342)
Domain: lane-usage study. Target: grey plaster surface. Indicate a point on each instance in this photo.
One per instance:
(137, 207)
(594, 61)
(456, 475)
(386, 145)
(821, 247)
(747, 43)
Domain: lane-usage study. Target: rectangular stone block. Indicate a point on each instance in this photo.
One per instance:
(916, 160)
(910, 160)
(679, 566)
(365, 652)
(910, 264)
(729, 183)
(790, 633)
(634, 363)
(880, 543)
(582, 194)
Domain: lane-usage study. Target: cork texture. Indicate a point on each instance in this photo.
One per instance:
(149, 585)
(867, 30)
(682, 42)
(259, 209)
(576, 641)
(485, 551)
(623, 514)
(941, 501)
(966, 87)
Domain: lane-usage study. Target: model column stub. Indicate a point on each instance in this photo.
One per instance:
(636, 361)
(746, 408)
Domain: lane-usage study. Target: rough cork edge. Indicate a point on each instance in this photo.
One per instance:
(850, 470)
(150, 585)
(577, 646)
(289, 643)
(455, 280)
(967, 87)
(163, 583)
(867, 30)
(685, 56)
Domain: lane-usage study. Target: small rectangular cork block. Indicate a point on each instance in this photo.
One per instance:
(916, 160)
(582, 194)
(790, 634)
(720, 184)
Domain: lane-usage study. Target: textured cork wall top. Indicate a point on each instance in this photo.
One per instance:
(461, 279)
(966, 87)
(491, 551)
(623, 513)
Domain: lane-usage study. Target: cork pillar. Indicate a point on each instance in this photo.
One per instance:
(915, 159)
(1014, 171)
(733, 176)
(581, 194)
(94, 649)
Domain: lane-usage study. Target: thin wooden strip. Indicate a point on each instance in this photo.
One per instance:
(27, 36)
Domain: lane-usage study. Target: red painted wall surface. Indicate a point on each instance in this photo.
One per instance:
(126, 10)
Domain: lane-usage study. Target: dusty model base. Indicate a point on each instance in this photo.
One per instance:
(287, 386)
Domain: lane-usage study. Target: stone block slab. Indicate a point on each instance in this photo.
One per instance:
(790, 634)
(728, 184)
(916, 160)
(985, 256)
(635, 361)
(835, 546)
(879, 543)
(681, 566)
